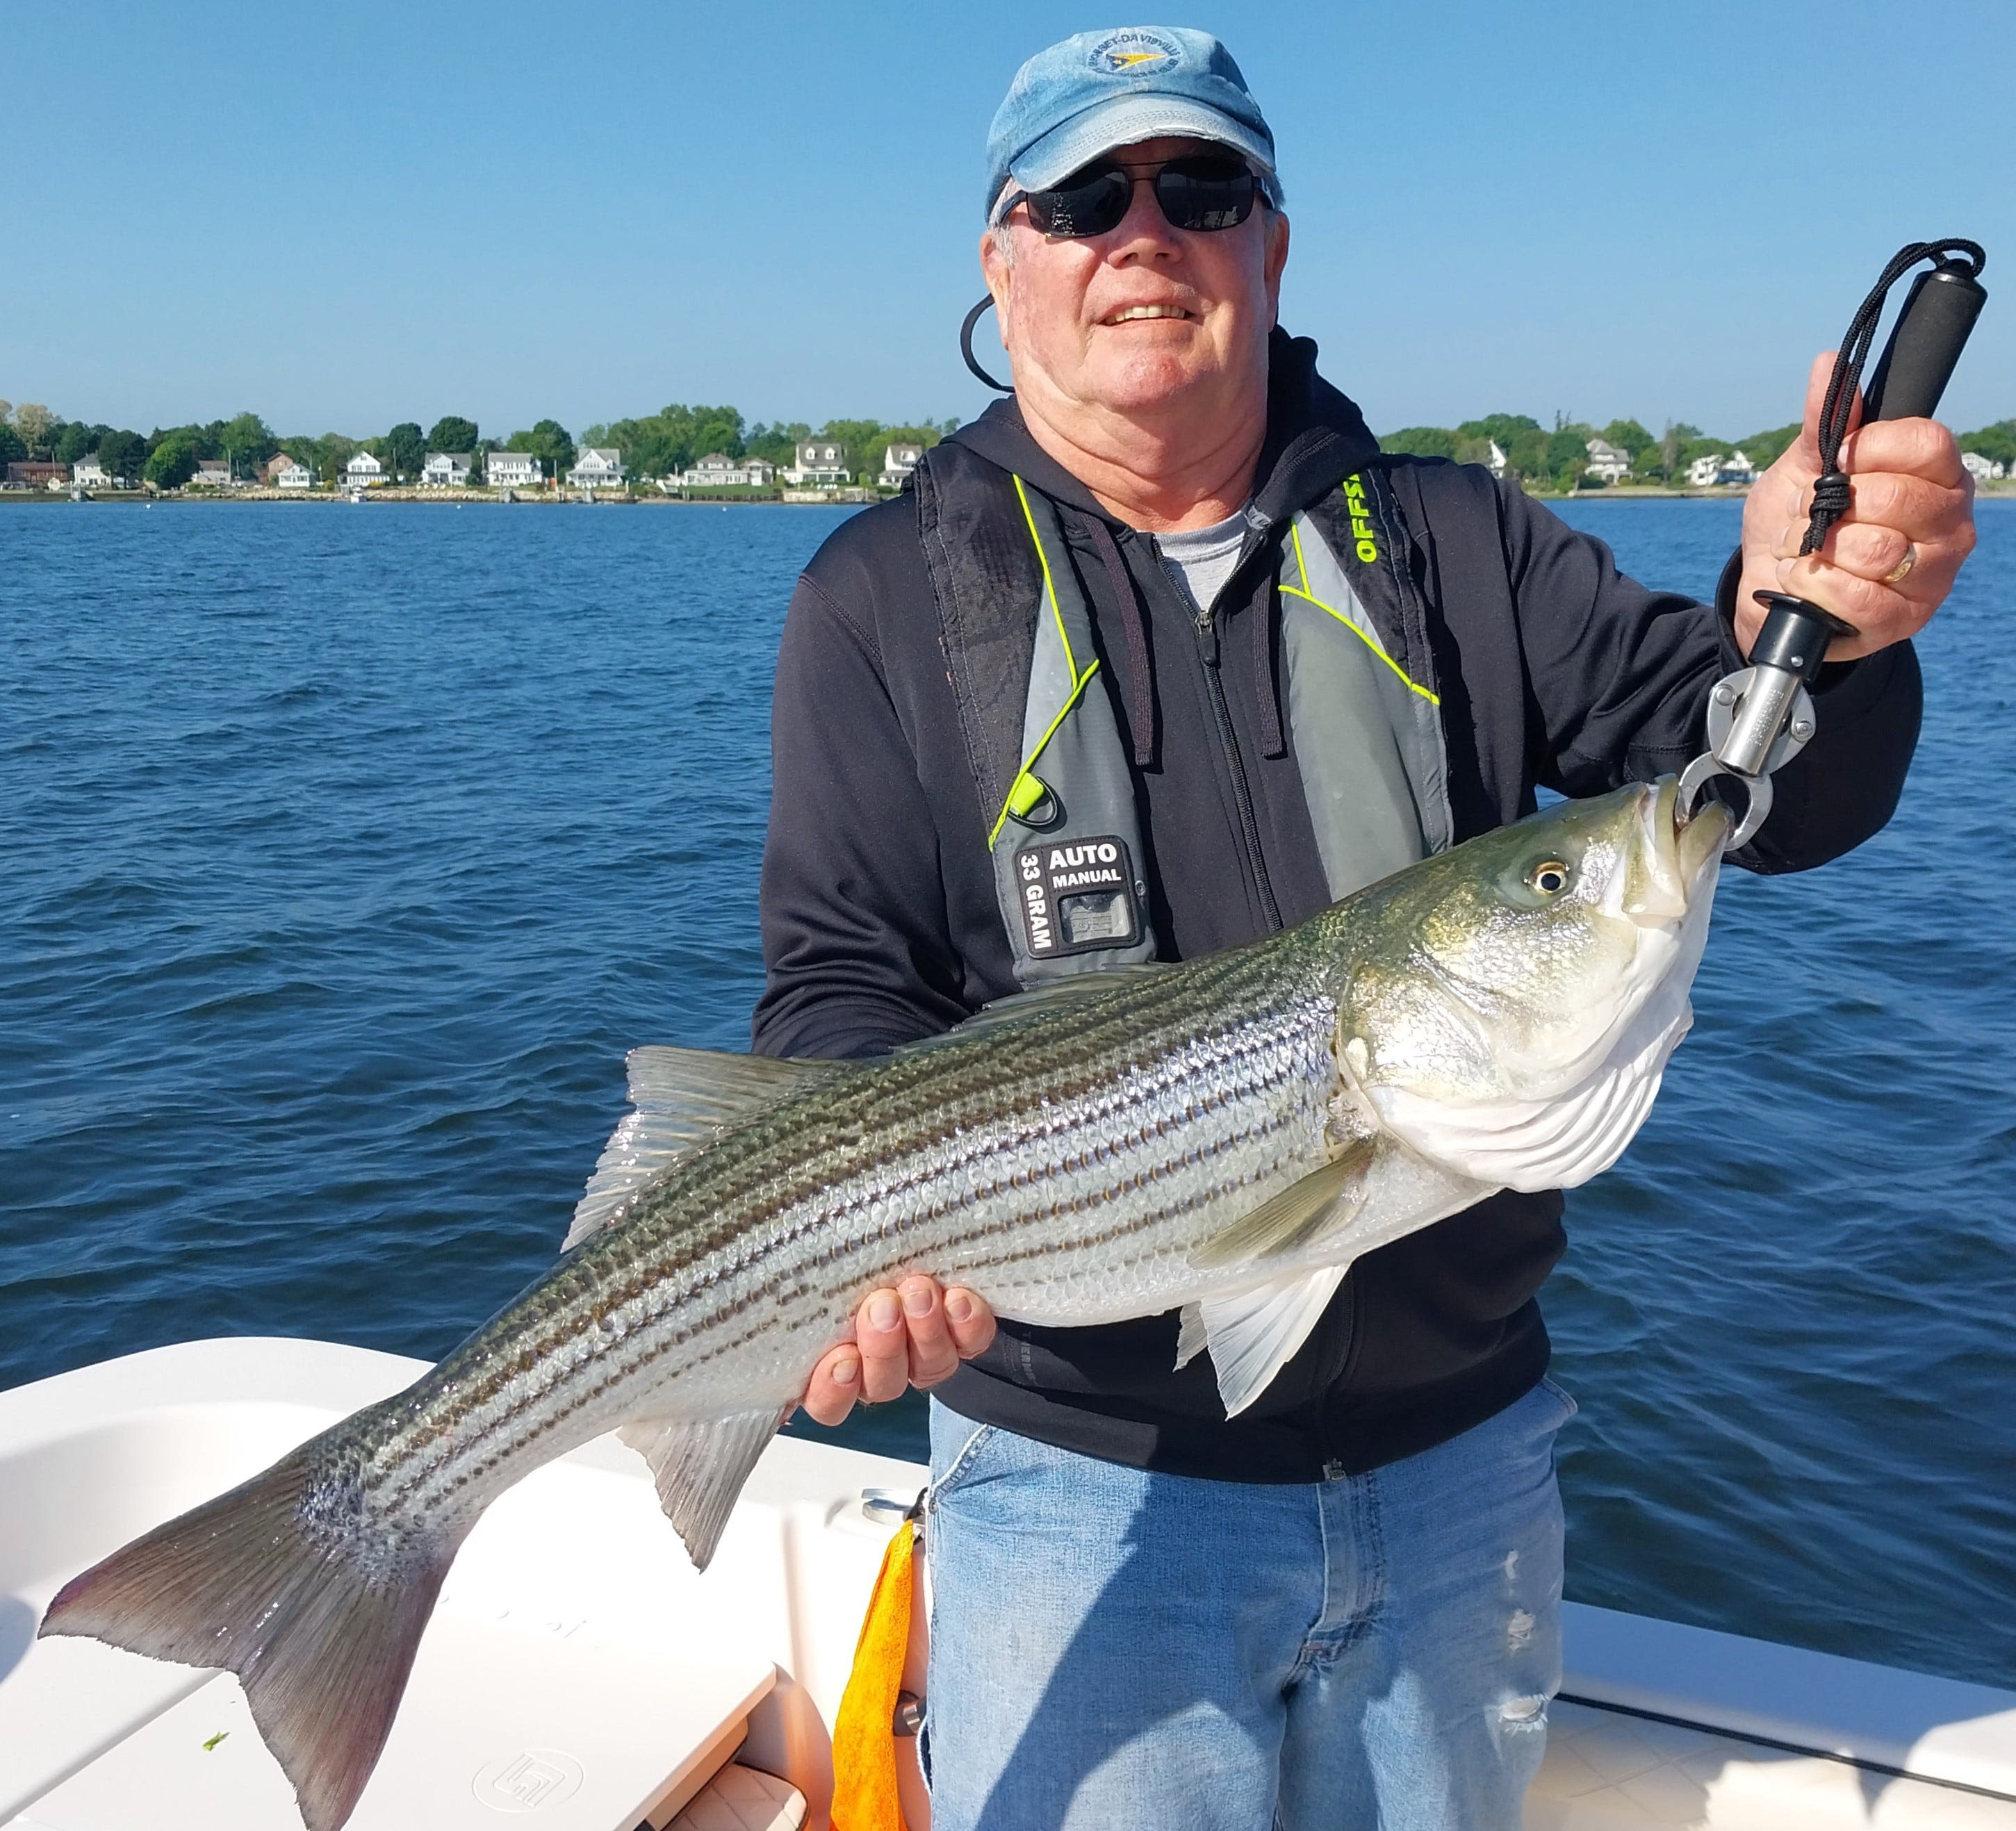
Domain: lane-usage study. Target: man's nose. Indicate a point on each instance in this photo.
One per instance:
(1144, 231)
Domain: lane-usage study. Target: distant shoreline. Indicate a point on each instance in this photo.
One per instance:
(463, 499)
(433, 499)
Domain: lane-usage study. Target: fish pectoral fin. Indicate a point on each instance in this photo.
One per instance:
(700, 1465)
(1253, 1335)
(1302, 1212)
(681, 1099)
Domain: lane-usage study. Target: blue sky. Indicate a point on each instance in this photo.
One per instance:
(341, 217)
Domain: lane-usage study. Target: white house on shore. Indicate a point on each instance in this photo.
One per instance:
(512, 470)
(88, 473)
(600, 467)
(362, 471)
(211, 473)
(897, 462)
(1718, 467)
(1607, 463)
(820, 461)
(446, 471)
(718, 471)
(293, 475)
(1495, 459)
(1982, 469)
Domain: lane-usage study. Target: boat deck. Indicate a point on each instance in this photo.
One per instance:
(578, 1668)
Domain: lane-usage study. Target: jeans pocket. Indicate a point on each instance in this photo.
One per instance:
(1561, 1396)
(964, 1459)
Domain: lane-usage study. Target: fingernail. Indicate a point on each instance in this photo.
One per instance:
(882, 1310)
(846, 1371)
(959, 1306)
(917, 1298)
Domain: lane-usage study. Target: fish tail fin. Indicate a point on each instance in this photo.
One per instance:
(322, 1639)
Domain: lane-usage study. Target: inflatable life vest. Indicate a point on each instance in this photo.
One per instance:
(1044, 739)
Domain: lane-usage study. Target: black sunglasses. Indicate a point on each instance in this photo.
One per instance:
(1205, 192)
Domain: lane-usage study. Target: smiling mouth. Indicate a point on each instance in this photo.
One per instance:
(1133, 314)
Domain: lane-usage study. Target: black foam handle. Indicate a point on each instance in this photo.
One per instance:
(1795, 634)
(1930, 333)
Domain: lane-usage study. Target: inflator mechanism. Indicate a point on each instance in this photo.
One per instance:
(1762, 715)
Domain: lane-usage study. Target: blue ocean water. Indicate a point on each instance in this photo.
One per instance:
(344, 853)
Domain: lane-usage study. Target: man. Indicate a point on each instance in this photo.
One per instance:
(1314, 663)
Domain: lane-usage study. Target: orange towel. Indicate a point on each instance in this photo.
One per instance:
(864, 1741)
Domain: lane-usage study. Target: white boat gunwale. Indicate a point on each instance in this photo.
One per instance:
(1670, 1702)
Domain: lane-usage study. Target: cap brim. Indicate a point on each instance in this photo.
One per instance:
(1124, 121)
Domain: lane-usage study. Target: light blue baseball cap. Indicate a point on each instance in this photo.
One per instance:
(1100, 90)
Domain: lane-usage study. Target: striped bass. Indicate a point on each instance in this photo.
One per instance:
(1222, 1137)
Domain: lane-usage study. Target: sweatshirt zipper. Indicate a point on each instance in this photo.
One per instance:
(1242, 796)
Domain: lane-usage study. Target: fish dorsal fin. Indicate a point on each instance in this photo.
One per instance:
(1060, 994)
(700, 1465)
(1254, 1334)
(680, 1098)
(1301, 1213)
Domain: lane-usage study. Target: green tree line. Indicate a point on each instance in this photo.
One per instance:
(658, 445)
(676, 438)
(1560, 457)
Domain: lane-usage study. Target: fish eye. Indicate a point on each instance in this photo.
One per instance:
(1550, 877)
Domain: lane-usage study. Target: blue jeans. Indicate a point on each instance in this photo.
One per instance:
(1113, 1650)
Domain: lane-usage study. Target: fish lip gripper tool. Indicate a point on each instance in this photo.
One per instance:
(1762, 716)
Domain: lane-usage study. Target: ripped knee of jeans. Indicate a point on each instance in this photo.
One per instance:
(1521, 1714)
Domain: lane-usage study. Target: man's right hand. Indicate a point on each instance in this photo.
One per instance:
(916, 1335)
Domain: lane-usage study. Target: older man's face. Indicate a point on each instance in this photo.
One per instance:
(1139, 319)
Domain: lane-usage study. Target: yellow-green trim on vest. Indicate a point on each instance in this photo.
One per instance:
(1365, 635)
(1028, 789)
(1367, 737)
(1067, 843)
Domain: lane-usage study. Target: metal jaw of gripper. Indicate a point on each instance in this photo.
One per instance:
(1761, 717)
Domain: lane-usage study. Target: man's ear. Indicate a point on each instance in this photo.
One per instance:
(1277, 255)
(996, 264)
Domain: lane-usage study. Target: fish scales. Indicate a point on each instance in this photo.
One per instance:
(1081, 1158)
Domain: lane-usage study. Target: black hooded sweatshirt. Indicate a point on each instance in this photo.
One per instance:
(879, 923)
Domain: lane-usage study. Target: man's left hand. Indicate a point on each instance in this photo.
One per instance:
(916, 1335)
(1887, 565)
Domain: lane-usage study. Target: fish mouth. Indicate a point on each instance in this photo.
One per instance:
(1670, 851)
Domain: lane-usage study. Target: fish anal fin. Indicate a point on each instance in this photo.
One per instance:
(700, 1465)
(322, 1642)
(681, 1099)
(1302, 1212)
(1254, 1334)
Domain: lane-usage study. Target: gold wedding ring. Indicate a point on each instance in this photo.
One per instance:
(1901, 571)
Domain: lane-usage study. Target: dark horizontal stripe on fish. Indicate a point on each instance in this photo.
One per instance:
(651, 1346)
(1115, 1071)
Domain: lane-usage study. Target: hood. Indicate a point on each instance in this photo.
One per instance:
(1316, 438)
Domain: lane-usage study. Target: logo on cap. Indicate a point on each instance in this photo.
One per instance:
(1123, 53)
